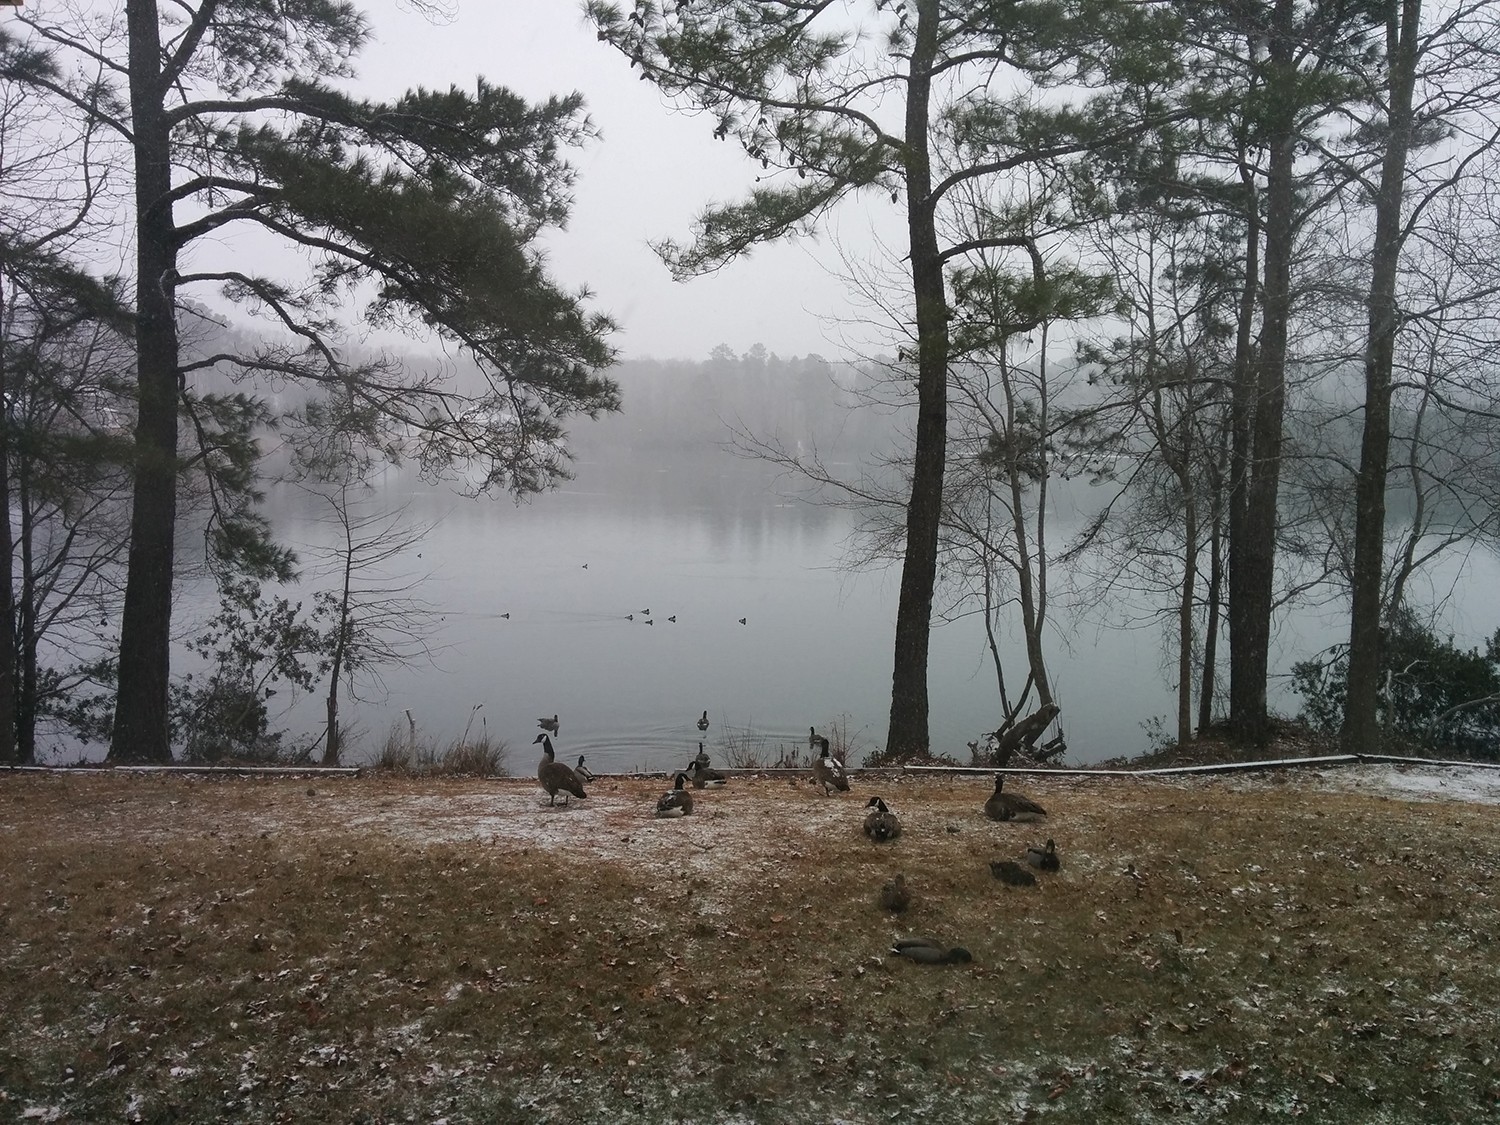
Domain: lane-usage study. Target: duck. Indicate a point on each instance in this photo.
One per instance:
(548, 725)
(829, 772)
(895, 896)
(555, 775)
(583, 772)
(703, 722)
(1044, 859)
(1012, 873)
(703, 777)
(927, 952)
(676, 801)
(1011, 806)
(881, 824)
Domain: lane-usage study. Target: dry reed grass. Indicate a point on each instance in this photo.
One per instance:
(389, 948)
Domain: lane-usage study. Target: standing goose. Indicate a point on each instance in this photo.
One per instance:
(881, 824)
(829, 772)
(1044, 859)
(676, 801)
(548, 725)
(583, 772)
(1011, 806)
(555, 775)
(703, 777)
(703, 722)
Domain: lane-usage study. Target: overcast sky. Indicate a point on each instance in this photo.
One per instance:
(647, 176)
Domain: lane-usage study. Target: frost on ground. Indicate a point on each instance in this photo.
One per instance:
(1310, 941)
(1397, 780)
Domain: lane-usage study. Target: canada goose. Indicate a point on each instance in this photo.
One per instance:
(812, 738)
(895, 896)
(829, 772)
(930, 952)
(1010, 806)
(703, 777)
(506, 616)
(1012, 873)
(554, 775)
(742, 621)
(644, 612)
(676, 801)
(703, 722)
(1044, 859)
(702, 756)
(673, 619)
(583, 772)
(881, 824)
(548, 725)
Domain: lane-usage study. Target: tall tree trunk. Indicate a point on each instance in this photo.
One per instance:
(7, 588)
(1254, 552)
(1211, 626)
(140, 725)
(1185, 617)
(908, 730)
(1361, 727)
(1241, 418)
(25, 610)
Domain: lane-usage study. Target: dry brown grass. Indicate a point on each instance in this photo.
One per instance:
(388, 949)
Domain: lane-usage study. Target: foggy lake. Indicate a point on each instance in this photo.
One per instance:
(709, 542)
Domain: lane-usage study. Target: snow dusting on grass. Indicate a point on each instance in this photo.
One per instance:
(1315, 943)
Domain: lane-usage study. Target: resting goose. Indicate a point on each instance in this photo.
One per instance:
(1012, 873)
(555, 775)
(829, 772)
(583, 772)
(676, 801)
(1011, 806)
(1044, 859)
(703, 777)
(930, 952)
(548, 725)
(881, 824)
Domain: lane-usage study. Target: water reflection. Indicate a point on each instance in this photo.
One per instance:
(710, 542)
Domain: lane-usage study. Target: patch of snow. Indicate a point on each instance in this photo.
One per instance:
(1418, 783)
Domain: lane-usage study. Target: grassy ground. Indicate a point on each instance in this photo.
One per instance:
(395, 950)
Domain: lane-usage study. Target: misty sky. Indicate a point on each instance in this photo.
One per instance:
(647, 177)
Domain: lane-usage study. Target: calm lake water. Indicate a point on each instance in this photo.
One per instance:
(709, 547)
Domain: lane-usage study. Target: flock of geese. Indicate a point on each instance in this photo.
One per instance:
(881, 825)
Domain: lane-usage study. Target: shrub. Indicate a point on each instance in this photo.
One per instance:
(1433, 694)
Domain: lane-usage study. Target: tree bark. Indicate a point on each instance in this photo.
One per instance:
(1253, 551)
(908, 730)
(140, 725)
(7, 587)
(1361, 726)
(1211, 626)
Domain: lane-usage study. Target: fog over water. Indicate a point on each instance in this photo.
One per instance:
(661, 521)
(572, 566)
